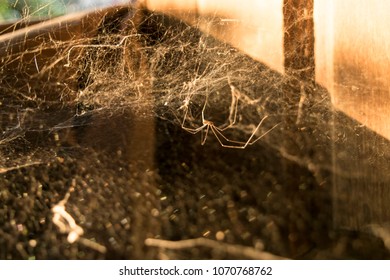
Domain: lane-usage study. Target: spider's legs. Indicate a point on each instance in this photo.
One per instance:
(250, 141)
(233, 109)
(223, 140)
(205, 133)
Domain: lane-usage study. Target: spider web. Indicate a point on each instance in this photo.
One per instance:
(140, 69)
(154, 60)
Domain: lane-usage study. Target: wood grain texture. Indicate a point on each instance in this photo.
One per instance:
(353, 62)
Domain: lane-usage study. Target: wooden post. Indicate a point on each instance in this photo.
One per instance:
(299, 38)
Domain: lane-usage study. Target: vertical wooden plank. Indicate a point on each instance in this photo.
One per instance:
(353, 62)
(299, 38)
(361, 90)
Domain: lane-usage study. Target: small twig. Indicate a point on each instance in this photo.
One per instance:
(66, 224)
(238, 250)
(93, 245)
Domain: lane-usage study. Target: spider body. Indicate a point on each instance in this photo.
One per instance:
(218, 131)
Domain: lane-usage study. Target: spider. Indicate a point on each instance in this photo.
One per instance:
(208, 125)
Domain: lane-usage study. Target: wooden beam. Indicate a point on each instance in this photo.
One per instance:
(299, 38)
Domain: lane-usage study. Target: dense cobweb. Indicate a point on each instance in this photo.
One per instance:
(158, 68)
